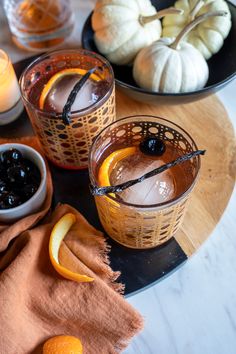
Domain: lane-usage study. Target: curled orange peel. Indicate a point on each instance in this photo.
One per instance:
(58, 233)
(109, 164)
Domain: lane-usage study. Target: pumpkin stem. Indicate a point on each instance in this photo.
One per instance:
(195, 9)
(170, 10)
(193, 24)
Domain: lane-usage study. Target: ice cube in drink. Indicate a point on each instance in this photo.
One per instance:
(157, 189)
(90, 93)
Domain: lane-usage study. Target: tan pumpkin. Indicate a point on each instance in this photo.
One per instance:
(123, 27)
(208, 37)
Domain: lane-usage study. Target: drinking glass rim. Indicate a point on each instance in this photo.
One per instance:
(8, 62)
(82, 111)
(157, 205)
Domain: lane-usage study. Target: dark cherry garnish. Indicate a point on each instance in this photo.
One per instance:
(152, 146)
(17, 175)
(11, 156)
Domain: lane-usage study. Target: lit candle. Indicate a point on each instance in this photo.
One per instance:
(10, 97)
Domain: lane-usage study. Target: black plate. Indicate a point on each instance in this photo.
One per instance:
(139, 268)
(222, 67)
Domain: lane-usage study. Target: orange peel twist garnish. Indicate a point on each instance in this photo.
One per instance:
(58, 233)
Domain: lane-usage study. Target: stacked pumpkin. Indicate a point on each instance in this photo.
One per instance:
(167, 57)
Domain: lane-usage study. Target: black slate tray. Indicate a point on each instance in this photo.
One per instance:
(139, 268)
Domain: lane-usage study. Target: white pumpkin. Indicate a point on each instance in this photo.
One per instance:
(123, 27)
(160, 68)
(208, 37)
(171, 65)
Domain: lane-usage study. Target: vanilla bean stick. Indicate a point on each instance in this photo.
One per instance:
(95, 190)
(72, 96)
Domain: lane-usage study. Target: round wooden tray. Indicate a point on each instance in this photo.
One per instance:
(208, 123)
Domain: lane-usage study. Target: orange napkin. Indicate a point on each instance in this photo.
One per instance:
(37, 303)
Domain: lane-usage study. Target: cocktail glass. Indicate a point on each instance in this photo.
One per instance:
(38, 25)
(67, 146)
(149, 213)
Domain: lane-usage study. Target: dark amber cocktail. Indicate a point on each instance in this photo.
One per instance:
(46, 85)
(148, 213)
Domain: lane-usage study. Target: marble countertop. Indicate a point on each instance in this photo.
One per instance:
(192, 311)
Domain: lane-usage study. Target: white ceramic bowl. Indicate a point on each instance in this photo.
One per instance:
(35, 202)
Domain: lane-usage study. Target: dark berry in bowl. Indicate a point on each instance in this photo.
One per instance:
(3, 186)
(19, 179)
(3, 205)
(3, 172)
(32, 170)
(11, 156)
(12, 200)
(17, 174)
(24, 187)
(152, 146)
(28, 191)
